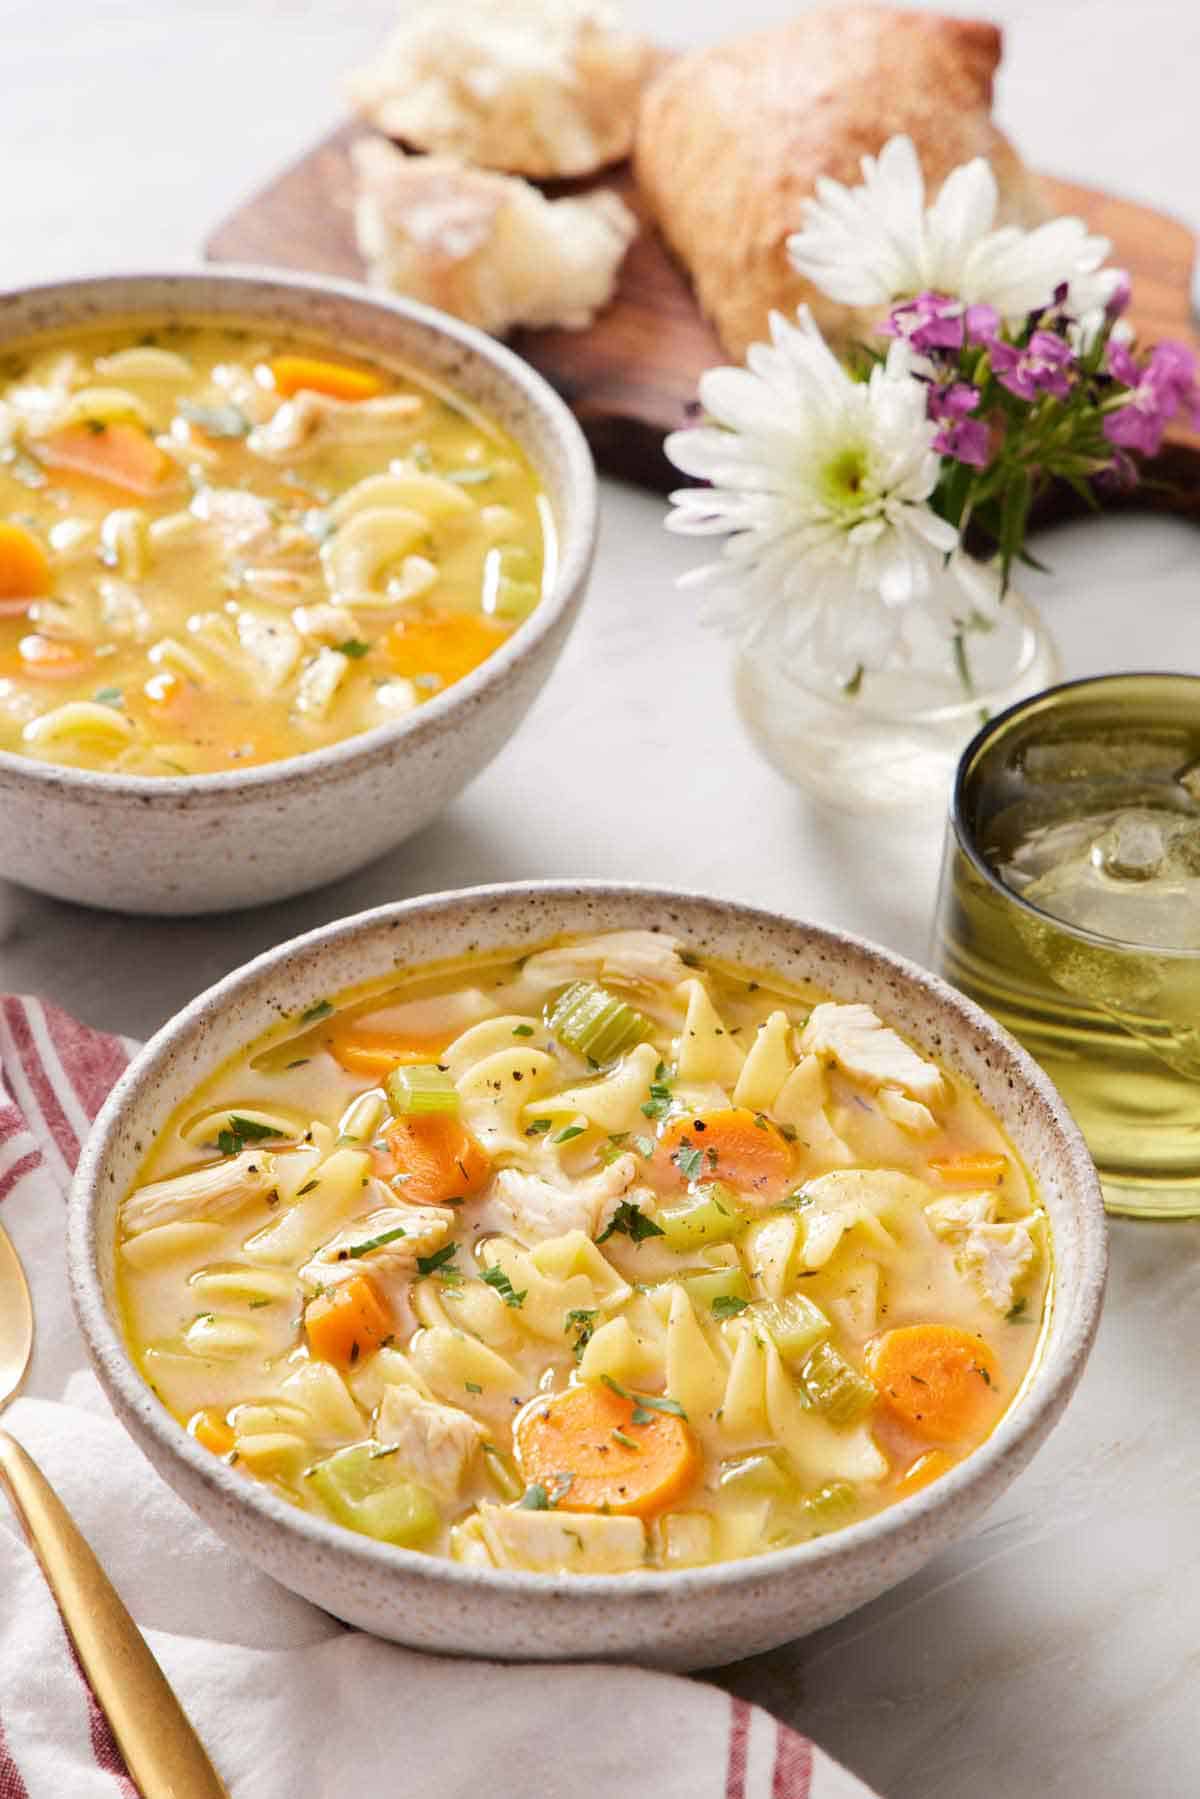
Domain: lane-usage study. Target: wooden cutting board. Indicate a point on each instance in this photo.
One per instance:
(630, 377)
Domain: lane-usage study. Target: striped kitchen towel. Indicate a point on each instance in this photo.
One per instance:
(287, 1700)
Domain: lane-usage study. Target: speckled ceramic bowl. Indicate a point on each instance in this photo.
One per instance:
(206, 843)
(689, 1619)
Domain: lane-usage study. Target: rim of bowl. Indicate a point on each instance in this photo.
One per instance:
(574, 558)
(1074, 1317)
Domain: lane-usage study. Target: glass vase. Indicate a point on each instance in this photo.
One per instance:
(892, 740)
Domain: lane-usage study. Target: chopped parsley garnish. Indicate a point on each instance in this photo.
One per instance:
(257, 1304)
(472, 1386)
(627, 1441)
(560, 1486)
(522, 1030)
(216, 421)
(354, 647)
(728, 1305)
(241, 1131)
(496, 1277)
(109, 696)
(369, 1243)
(571, 1130)
(644, 1403)
(645, 1146)
(1018, 1313)
(796, 1201)
(306, 1188)
(616, 1147)
(534, 1499)
(689, 1161)
(322, 1009)
(583, 1322)
(659, 1102)
(630, 1221)
(539, 1127)
(440, 1259)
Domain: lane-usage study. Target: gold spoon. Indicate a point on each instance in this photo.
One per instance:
(162, 1752)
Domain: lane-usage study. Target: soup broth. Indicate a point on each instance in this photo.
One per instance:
(606, 1258)
(218, 548)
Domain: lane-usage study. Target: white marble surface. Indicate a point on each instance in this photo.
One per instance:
(1056, 1652)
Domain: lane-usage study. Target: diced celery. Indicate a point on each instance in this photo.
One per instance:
(361, 1488)
(594, 1022)
(709, 1215)
(756, 1474)
(831, 1505)
(793, 1324)
(716, 1283)
(833, 1388)
(517, 589)
(421, 1087)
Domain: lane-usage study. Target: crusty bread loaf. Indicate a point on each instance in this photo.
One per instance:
(731, 139)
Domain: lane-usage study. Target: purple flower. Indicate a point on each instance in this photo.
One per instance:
(954, 401)
(966, 440)
(1164, 387)
(930, 322)
(963, 438)
(1041, 367)
(983, 324)
(1118, 300)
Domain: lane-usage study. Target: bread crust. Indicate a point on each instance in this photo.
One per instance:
(731, 139)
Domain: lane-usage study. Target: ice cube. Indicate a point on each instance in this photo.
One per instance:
(1138, 881)
(1133, 849)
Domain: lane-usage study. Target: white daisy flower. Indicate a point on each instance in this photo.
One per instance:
(820, 484)
(868, 246)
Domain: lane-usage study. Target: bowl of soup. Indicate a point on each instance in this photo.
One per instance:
(586, 1271)
(282, 566)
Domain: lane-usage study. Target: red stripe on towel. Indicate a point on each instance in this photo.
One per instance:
(739, 1739)
(104, 1744)
(65, 1140)
(92, 1062)
(793, 1765)
(11, 1784)
(8, 1181)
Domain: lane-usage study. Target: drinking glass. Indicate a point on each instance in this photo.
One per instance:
(1069, 908)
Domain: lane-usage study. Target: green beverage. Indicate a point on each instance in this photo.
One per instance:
(1070, 909)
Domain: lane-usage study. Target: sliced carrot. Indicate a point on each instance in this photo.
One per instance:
(53, 658)
(333, 378)
(378, 1052)
(926, 1468)
(24, 564)
(942, 1381)
(439, 1159)
(975, 1170)
(446, 645)
(116, 452)
(210, 1429)
(588, 1433)
(347, 1322)
(736, 1145)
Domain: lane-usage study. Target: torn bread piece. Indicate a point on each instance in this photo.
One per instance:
(488, 248)
(547, 88)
